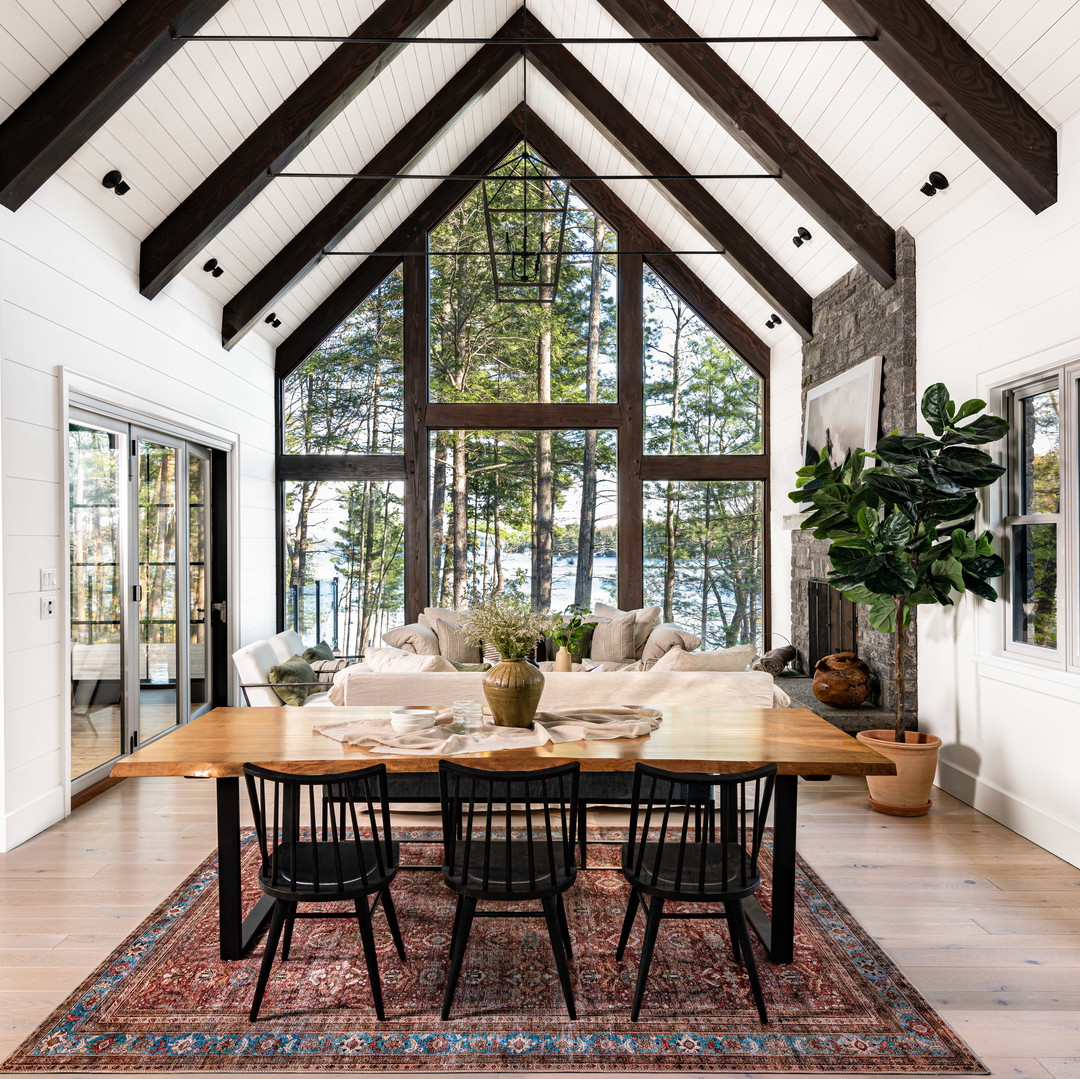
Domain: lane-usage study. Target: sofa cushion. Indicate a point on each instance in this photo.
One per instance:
(735, 658)
(296, 669)
(432, 613)
(453, 644)
(646, 619)
(395, 659)
(667, 636)
(613, 640)
(285, 644)
(413, 638)
(325, 669)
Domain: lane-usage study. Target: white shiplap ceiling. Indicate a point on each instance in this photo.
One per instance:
(837, 96)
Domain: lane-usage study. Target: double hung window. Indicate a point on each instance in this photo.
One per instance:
(1041, 532)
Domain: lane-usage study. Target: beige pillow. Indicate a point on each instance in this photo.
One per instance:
(432, 613)
(453, 645)
(723, 659)
(395, 660)
(668, 636)
(614, 640)
(413, 638)
(325, 669)
(646, 619)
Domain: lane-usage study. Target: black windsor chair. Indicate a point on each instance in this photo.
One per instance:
(683, 849)
(316, 850)
(509, 837)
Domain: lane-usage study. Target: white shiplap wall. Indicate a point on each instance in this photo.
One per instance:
(69, 301)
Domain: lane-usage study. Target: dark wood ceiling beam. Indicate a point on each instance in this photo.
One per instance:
(114, 62)
(967, 94)
(764, 135)
(361, 195)
(694, 202)
(409, 235)
(322, 96)
(635, 234)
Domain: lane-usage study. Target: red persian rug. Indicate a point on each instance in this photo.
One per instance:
(164, 1001)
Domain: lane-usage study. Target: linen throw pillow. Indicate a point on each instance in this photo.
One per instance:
(413, 638)
(325, 669)
(385, 660)
(294, 669)
(453, 645)
(614, 640)
(646, 619)
(722, 659)
(668, 636)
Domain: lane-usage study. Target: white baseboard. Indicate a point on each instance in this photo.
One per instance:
(26, 821)
(1059, 837)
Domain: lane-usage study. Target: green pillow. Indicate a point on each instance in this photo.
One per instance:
(319, 651)
(295, 669)
(471, 667)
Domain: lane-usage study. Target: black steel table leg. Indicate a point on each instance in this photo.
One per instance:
(235, 931)
(778, 933)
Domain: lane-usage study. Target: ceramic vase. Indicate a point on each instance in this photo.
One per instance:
(512, 688)
(564, 661)
(906, 794)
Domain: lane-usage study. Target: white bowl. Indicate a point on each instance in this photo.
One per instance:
(404, 720)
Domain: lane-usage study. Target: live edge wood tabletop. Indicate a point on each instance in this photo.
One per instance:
(219, 743)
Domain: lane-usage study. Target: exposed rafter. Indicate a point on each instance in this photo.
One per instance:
(761, 132)
(350, 205)
(409, 235)
(277, 141)
(121, 56)
(635, 141)
(953, 80)
(633, 232)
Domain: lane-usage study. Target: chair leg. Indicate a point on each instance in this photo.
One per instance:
(652, 924)
(290, 921)
(277, 919)
(463, 920)
(583, 833)
(555, 931)
(736, 946)
(367, 936)
(564, 925)
(738, 924)
(628, 923)
(391, 920)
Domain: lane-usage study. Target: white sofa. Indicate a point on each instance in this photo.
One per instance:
(253, 663)
(719, 689)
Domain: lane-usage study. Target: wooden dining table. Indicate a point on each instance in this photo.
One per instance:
(217, 744)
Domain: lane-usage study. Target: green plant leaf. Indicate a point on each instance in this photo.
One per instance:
(904, 449)
(949, 569)
(940, 507)
(892, 488)
(969, 408)
(895, 530)
(963, 546)
(971, 466)
(980, 587)
(984, 429)
(935, 407)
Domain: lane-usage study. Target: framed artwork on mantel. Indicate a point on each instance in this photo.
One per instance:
(842, 412)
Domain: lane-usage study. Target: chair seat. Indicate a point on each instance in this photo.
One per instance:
(319, 699)
(660, 873)
(360, 871)
(526, 879)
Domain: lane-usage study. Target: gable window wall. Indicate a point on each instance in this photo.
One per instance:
(441, 446)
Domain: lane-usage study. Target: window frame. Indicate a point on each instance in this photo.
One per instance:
(1065, 378)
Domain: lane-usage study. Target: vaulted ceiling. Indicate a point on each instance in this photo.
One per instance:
(825, 115)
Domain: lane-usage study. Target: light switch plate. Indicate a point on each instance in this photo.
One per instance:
(48, 580)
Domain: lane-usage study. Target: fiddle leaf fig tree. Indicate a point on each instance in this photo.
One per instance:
(902, 533)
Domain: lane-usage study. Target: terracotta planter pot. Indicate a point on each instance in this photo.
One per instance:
(512, 688)
(907, 794)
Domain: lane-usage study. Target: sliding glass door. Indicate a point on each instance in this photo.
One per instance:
(140, 631)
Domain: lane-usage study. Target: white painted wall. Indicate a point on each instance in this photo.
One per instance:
(999, 297)
(70, 310)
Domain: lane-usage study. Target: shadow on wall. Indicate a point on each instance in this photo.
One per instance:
(965, 765)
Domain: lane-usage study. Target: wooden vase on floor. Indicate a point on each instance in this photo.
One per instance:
(906, 794)
(512, 688)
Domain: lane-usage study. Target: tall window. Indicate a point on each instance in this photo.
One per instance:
(1043, 607)
(443, 446)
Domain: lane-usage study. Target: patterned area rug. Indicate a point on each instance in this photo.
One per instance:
(164, 1001)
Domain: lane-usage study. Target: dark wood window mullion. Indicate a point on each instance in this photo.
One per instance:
(417, 509)
(630, 543)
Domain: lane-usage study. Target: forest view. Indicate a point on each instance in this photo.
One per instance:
(533, 512)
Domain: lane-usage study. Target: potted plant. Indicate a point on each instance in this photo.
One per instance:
(903, 533)
(513, 686)
(570, 631)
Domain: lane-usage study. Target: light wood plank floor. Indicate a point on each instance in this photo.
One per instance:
(986, 924)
